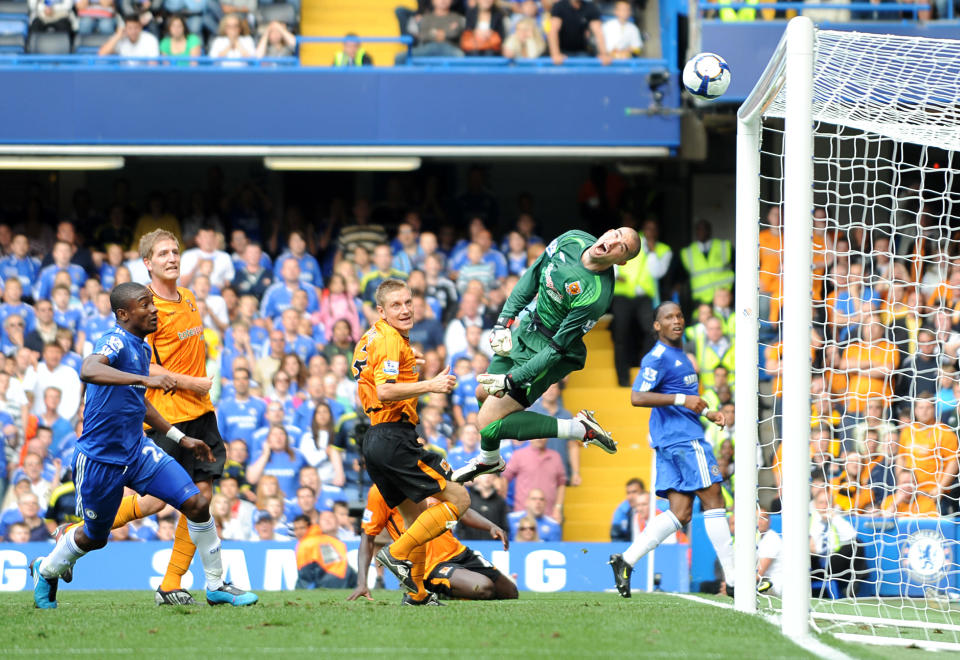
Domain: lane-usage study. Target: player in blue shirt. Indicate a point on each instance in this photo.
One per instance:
(669, 385)
(113, 453)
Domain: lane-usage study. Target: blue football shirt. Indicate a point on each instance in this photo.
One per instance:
(113, 416)
(667, 370)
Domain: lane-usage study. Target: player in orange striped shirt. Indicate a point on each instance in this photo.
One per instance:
(179, 351)
(452, 569)
(406, 474)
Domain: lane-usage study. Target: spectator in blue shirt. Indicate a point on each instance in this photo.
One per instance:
(468, 447)
(65, 315)
(79, 255)
(13, 335)
(427, 330)
(274, 416)
(61, 254)
(310, 273)
(50, 418)
(238, 243)
(279, 460)
(316, 392)
(621, 527)
(407, 255)
(301, 346)
(108, 269)
(516, 253)
(99, 324)
(535, 507)
(251, 276)
(70, 357)
(20, 264)
(279, 295)
(239, 416)
(13, 304)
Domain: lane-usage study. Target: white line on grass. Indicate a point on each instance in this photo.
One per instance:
(810, 643)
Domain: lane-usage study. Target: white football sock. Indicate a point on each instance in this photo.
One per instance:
(204, 536)
(718, 529)
(490, 457)
(658, 529)
(65, 554)
(572, 429)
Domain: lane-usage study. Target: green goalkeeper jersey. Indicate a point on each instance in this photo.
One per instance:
(570, 300)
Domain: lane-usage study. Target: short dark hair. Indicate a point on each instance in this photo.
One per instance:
(301, 518)
(637, 481)
(665, 303)
(123, 294)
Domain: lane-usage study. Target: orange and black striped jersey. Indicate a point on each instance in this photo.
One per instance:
(178, 346)
(378, 516)
(381, 356)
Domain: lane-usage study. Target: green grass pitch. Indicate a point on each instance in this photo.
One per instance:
(321, 624)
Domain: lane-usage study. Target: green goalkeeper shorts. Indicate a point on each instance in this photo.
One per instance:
(527, 342)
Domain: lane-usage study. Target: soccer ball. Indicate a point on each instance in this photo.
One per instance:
(706, 76)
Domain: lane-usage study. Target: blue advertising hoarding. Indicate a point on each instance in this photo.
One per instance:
(272, 566)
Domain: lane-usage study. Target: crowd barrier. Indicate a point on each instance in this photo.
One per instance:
(272, 566)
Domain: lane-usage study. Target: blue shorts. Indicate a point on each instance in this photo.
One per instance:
(686, 467)
(100, 485)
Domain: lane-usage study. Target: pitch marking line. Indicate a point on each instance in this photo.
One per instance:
(811, 644)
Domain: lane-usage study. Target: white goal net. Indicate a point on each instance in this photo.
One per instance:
(857, 309)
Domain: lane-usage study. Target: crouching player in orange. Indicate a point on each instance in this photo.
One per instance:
(452, 569)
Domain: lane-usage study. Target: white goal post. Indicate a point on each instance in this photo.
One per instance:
(856, 125)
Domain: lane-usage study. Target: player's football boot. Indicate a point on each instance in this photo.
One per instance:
(173, 597)
(621, 574)
(595, 433)
(475, 468)
(44, 589)
(230, 595)
(57, 533)
(764, 585)
(729, 589)
(399, 567)
(429, 601)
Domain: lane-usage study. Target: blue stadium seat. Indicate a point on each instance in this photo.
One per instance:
(12, 44)
(89, 44)
(49, 43)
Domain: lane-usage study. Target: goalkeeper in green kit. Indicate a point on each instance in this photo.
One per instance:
(572, 284)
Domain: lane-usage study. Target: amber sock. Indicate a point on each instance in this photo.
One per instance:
(429, 525)
(180, 558)
(129, 510)
(418, 559)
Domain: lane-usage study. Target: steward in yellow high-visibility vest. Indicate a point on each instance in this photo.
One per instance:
(709, 263)
(353, 53)
(714, 349)
(731, 15)
(636, 292)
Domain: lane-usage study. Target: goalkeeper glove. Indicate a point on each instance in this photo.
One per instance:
(496, 384)
(501, 339)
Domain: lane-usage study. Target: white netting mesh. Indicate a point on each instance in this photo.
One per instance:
(903, 88)
(884, 342)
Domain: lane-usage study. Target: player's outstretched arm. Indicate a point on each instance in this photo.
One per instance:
(364, 555)
(185, 382)
(158, 423)
(96, 369)
(472, 518)
(442, 383)
(524, 290)
(658, 399)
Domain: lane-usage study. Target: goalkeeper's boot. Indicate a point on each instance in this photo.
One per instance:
(476, 467)
(764, 585)
(44, 589)
(57, 533)
(429, 601)
(228, 594)
(173, 597)
(595, 434)
(399, 567)
(621, 574)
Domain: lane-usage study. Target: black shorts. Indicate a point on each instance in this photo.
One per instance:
(203, 428)
(399, 466)
(439, 579)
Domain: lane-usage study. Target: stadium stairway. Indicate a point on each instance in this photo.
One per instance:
(335, 18)
(588, 508)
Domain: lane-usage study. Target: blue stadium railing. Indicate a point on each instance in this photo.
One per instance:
(886, 8)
